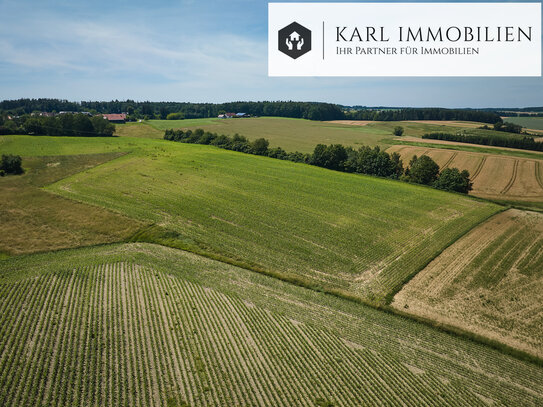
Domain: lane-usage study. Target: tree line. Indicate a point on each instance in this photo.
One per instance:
(365, 160)
(505, 127)
(75, 125)
(424, 114)
(523, 143)
(301, 110)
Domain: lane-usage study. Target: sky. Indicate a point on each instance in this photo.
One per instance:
(194, 51)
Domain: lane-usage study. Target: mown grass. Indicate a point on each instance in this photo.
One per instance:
(352, 234)
(35, 220)
(141, 324)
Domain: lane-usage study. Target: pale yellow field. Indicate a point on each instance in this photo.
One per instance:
(493, 176)
(489, 282)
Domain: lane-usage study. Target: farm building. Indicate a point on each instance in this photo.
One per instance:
(226, 116)
(115, 118)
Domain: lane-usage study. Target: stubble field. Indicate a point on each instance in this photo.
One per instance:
(494, 177)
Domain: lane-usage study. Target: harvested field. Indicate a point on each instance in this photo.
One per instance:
(489, 282)
(471, 125)
(494, 176)
(350, 122)
(466, 145)
(143, 325)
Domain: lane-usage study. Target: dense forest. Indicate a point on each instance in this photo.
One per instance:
(365, 160)
(302, 110)
(524, 143)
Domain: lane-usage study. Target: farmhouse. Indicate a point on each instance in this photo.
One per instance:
(227, 116)
(115, 118)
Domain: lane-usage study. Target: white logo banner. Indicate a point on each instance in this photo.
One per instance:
(404, 39)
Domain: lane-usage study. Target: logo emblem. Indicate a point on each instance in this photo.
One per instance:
(294, 40)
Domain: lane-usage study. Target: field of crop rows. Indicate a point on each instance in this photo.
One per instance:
(120, 333)
(359, 235)
(488, 282)
(493, 176)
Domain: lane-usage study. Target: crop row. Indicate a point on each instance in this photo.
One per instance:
(126, 335)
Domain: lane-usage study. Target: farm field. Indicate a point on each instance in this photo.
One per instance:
(489, 282)
(132, 129)
(144, 325)
(495, 177)
(535, 123)
(303, 135)
(34, 220)
(351, 234)
(455, 145)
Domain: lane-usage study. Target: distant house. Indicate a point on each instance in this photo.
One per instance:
(222, 116)
(229, 115)
(243, 115)
(115, 117)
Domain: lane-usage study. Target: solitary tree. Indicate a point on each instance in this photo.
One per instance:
(398, 131)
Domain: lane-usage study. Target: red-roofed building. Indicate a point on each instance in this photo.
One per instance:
(115, 117)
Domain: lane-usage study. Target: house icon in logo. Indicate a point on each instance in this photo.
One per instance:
(294, 40)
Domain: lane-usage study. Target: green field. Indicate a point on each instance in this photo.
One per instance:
(351, 234)
(535, 123)
(303, 135)
(34, 220)
(144, 325)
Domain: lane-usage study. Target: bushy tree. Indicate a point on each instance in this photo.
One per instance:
(452, 179)
(260, 146)
(398, 131)
(101, 126)
(332, 156)
(422, 170)
(11, 164)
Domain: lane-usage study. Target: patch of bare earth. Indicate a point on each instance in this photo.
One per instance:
(489, 282)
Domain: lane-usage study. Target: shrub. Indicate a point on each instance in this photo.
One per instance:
(175, 116)
(11, 164)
